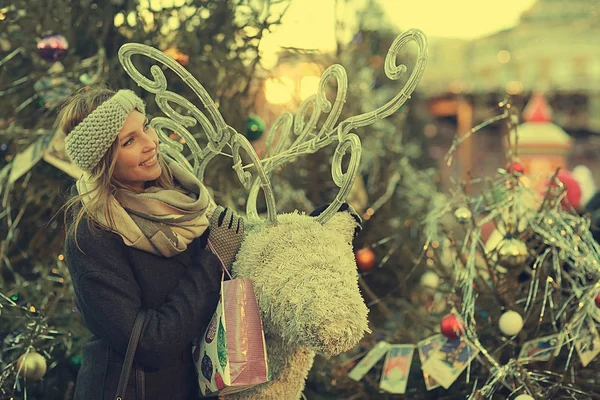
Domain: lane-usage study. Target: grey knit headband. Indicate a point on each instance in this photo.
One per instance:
(87, 143)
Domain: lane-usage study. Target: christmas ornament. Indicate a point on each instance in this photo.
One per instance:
(430, 280)
(597, 300)
(255, 127)
(517, 167)
(76, 360)
(177, 55)
(512, 253)
(510, 323)
(365, 259)
(463, 215)
(32, 366)
(524, 397)
(451, 326)
(53, 47)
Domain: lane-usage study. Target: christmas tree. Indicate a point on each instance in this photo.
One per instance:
(509, 296)
(461, 315)
(393, 192)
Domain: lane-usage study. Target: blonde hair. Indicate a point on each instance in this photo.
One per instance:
(103, 183)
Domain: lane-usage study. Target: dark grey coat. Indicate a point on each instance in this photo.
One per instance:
(112, 281)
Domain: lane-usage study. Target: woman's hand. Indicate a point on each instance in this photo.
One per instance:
(226, 233)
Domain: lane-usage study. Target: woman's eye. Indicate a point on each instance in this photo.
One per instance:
(130, 140)
(146, 126)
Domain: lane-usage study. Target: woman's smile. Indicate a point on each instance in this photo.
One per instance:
(150, 162)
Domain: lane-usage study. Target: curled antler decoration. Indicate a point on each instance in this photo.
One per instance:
(218, 132)
(296, 136)
(309, 142)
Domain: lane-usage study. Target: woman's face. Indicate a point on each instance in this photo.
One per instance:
(138, 150)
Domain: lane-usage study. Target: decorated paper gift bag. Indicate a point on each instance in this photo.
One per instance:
(231, 355)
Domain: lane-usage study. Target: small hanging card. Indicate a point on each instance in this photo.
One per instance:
(364, 365)
(396, 368)
(541, 349)
(426, 347)
(447, 363)
(587, 342)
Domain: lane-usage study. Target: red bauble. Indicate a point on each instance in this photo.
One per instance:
(597, 300)
(53, 47)
(365, 259)
(573, 197)
(517, 167)
(452, 327)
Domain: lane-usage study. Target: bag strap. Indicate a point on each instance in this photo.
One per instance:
(131, 346)
(212, 249)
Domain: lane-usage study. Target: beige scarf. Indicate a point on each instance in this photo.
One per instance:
(159, 221)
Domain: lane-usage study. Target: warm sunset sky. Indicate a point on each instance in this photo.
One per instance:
(310, 23)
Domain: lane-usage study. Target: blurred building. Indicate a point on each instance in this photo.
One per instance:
(552, 50)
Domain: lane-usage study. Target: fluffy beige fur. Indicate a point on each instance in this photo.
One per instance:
(306, 284)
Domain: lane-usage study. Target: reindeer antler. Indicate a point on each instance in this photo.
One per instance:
(218, 134)
(308, 142)
(303, 126)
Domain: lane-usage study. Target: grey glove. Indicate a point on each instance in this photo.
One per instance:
(226, 233)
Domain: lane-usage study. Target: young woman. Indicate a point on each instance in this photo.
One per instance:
(137, 228)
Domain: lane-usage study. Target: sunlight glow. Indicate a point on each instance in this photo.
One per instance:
(310, 24)
(279, 90)
(309, 86)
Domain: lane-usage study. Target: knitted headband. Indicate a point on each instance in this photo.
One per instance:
(87, 143)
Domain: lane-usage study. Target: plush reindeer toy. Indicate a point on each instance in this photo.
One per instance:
(302, 267)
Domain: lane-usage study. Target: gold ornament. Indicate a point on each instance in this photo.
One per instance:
(463, 215)
(32, 366)
(512, 253)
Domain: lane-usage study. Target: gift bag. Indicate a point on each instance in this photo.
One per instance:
(231, 356)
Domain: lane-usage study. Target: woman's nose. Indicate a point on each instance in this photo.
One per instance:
(151, 139)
